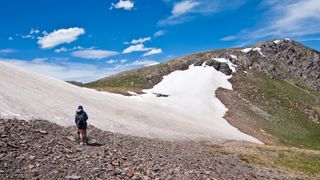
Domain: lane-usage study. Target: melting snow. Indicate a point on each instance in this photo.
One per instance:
(277, 41)
(230, 64)
(132, 93)
(258, 49)
(246, 50)
(192, 111)
(233, 56)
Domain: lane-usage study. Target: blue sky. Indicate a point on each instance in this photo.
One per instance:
(85, 40)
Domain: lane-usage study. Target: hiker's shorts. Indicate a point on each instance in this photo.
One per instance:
(82, 126)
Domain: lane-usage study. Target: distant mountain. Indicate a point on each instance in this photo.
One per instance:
(276, 88)
(75, 83)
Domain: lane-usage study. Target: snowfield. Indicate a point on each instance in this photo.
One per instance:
(190, 112)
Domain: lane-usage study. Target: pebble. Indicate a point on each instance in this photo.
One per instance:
(73, 177)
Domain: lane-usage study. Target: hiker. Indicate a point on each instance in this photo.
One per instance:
(81, 122)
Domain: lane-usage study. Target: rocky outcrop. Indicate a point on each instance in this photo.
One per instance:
(288, 58)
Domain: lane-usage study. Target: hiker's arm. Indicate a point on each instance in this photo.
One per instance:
(86, 116)
(76, 119)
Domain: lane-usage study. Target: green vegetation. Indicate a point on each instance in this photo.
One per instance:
(296, 161)
(133, 80)
(291, 107)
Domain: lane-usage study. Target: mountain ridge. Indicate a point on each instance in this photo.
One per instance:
(147, 77)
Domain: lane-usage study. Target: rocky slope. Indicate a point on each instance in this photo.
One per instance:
(42, 150)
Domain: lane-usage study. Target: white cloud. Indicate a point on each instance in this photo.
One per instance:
(153, 51)
(64, 49)
(229, 38)
(135, 48)
(123, 60)
(144, 63)
(140, 40)
(10, 38)
(34, 31)
(80, 72)
(123, 4)
(39, 60)
(28, 36)
(293, 19)
(7, 51)
(183, 10)
(183, 7)
(33, 34)
(111, 61)
(60, 36)
(93, 53)
(159, 33)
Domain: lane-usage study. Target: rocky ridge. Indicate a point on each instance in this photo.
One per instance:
(283, 59)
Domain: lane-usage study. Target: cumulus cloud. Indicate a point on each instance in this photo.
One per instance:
(153, 51)
(140, 40)
(60, 36)
(93, 53)
(142, 48)
(135, 48)
(123, 4)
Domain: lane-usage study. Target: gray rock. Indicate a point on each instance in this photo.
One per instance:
(73, 177)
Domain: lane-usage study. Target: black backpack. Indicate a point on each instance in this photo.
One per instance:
(81, 118)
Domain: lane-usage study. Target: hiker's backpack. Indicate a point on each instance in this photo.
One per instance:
(81, 119)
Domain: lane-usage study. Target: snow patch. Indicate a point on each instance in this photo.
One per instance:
(277, 41)
(233, 56)
(132, 93)
(230, 64)
(258, 49)
(190, 112)
(246, 50)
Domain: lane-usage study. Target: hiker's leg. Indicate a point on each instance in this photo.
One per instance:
(84, 134)
(78, 132)
(81, 135)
